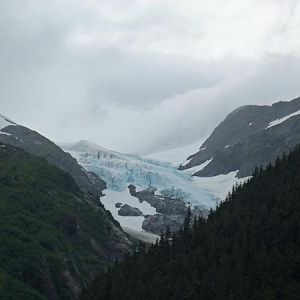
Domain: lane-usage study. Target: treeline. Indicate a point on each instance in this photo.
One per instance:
(248, 248)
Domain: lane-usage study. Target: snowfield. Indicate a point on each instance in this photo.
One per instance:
(281, 120)
(198, 168)
(111, 198)
(131, 225)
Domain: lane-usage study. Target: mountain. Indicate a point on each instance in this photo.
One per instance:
(248, 248)
(249, 136)
(54, 236)
(36, 144)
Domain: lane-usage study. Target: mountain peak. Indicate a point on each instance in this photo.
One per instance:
(82, 146)
(250, 136)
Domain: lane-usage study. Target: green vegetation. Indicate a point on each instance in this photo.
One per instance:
(248, 248)
(54, 238)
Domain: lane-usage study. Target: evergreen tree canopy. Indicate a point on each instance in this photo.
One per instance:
(248, 248)
(53, 236)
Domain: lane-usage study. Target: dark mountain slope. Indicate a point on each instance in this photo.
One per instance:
(244, 140)
(249, 248)
(54, 237)
(36, 144)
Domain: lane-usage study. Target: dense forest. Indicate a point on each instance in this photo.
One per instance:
(248, 248)
(54, 238)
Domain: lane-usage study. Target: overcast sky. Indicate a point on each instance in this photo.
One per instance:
(143, 76)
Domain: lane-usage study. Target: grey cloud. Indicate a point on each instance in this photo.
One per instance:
(35, 51)
(143, 80)
(132, 100)
(275, 79)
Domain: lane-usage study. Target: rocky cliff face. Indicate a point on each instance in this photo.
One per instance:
(249, 136)
(127, 210)
(170, 211)
(36, 144)
(163, 205)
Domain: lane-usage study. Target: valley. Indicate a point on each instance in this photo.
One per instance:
(115, 203)
(149, 150)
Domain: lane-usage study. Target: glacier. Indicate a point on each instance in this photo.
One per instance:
(119, 170)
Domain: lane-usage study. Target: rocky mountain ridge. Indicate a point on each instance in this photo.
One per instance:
(250, 136)
(38, 145)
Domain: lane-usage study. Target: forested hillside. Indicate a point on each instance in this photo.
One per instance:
(54, 237)
(248, 248)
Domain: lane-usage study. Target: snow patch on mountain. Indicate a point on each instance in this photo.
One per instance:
(3, 132)
(4, 122)
(218, 185)
(186, 163)
(281, 120)
(196, 169)
(131, 225)
(112, 197)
